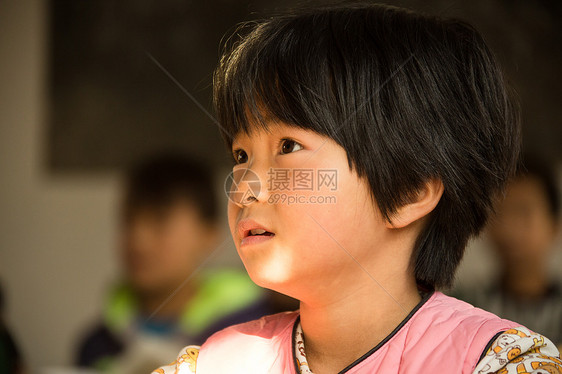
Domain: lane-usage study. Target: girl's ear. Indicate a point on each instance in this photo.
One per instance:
(424, 201)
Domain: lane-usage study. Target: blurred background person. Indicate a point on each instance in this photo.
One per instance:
(522, 235)
(169, 228)
(10, 356)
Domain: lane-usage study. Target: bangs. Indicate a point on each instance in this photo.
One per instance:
(275, 75)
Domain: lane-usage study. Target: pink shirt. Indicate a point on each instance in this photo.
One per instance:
(442, 334)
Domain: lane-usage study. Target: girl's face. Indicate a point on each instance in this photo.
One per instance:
(524, 228)
(324, 226)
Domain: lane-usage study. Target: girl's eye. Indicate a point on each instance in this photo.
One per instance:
(240, 156)
(289, 145)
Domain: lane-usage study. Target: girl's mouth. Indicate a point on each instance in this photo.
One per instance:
(255, 232)
(256, 236)
(252, 232)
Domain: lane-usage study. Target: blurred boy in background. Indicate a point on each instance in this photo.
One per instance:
(169, 227)
(10, 356)
(522, 235)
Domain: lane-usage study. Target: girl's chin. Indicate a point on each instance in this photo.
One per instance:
(270, 266)
(271, 277)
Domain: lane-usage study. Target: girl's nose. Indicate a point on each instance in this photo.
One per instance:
(248, 186)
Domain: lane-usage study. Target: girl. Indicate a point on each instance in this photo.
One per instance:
(369, 142)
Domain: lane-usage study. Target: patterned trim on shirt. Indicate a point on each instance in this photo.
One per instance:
(520, 351)
(186, 362)
(300, 355)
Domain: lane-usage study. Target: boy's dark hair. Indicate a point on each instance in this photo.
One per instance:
(164, 179)
(409, 97)
(534, 167)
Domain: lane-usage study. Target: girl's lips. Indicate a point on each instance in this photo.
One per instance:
(246, 225)
(255, 239)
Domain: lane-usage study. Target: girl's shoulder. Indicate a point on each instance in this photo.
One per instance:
(519, 350)
(510, 348)
(266, 335)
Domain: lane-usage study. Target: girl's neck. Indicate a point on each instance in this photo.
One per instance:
(341, 331)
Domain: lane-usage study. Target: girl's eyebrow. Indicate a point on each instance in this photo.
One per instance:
(235, 144)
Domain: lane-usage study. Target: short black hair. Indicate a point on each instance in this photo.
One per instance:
(165, 178)
(409, 97)
(533, 166)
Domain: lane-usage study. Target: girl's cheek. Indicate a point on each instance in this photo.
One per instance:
(231, 215)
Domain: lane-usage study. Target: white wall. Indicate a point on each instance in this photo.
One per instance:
(56, 233)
